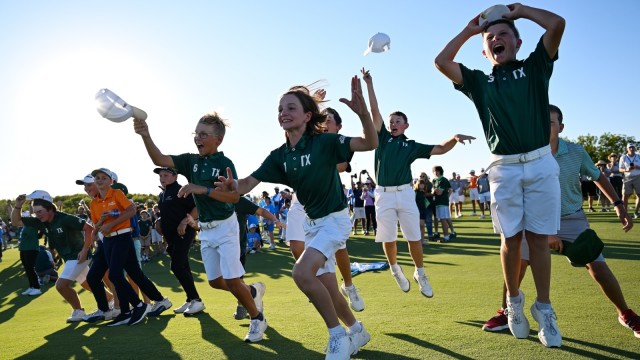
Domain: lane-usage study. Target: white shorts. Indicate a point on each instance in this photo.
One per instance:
(220, 249)
(473, 194)
(526, 196)
(460, 199)
(484, 197)
(155, 237)
(442, 212)
(358, 213)
(394, 206)
(453, 198)
(295, 222)
(327, 235)
(74, 271)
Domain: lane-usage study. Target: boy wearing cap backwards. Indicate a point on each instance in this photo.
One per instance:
(177, 226)
(573, 160)
(65, 234)
(218, 224)
(111, 212)
(630, 167)
(513, 104)
(395, 198)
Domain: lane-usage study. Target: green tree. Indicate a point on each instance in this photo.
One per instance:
(599, 148)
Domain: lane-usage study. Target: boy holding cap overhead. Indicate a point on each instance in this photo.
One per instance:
(574, 227)
(513, 105)
(65, 234)
(395, 198)
(217, 220)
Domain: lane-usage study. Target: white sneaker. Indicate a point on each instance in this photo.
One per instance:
(518, 323)
(338, 347)
(355, 301)
(76, 315)
(26, 292)
(158, 307)
(256, 330)
(401, 280)
(114, 313)
(195, 307)
(548, 332)
(94, 316)
(182, 308)
(111, 314)
(358, 339)
(473, 214)
(272, 246)
(481, 216)
(260, 289)
(35, 292)
(423, 281)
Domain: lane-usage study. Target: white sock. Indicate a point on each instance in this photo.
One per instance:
(355, 328)
(338, 330)
(395, 268)
(420, 271)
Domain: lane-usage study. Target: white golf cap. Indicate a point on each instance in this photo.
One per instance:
(492, 14)
(378, 43)
(104, 171)
(253, 226)
(114, 176)
(111, 107)
(87, 180)
(40, 195)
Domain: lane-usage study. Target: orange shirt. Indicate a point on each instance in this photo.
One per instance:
(473, 182)
(115, 200)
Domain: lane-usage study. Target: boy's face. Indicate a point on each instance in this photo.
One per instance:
(397, 125)
(499, 44)
(330, 125)
(167, 178)
(206, 140)
(556, 127)
(144, 215)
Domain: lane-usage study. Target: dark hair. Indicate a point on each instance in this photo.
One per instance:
(335, 114)
(511, 24)
(309, 104)
(401, 114)
(438, 169)
(45, 204)
(214, 119)
(555, 109)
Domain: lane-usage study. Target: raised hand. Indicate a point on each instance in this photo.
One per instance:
(140, 127)
(357, 103)
(366, 76)
(462, 138)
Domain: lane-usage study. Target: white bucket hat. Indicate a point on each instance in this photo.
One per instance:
(378, 43)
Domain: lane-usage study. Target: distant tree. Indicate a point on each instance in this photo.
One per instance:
(599, 148)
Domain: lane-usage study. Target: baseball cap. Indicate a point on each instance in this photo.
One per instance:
(167, 169)
(631, 145)
(585, 249)
(482, 170)
(120, 186)
(40, 195)
(87, 180)
(253, 226)
(104, 171)
(472, 172)
(114, 176)
(111, 107)
(378, 43)
(492, 14)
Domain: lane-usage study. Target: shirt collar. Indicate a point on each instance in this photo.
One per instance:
(302, 143)
(513, 64)
(562, 148)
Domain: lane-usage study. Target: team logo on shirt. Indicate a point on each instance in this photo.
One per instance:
(517, 74)
(59, 230)
(341, 139)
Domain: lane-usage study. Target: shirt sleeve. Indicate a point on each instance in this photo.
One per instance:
(471, 80)
(587, 167)
(72, 222)
(422, 151)
(121, 199)
(541, 59)
(182, 164)
(272, 169)
(33, 222)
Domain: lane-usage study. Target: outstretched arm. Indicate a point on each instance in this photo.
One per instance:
(373, 101)
(141, 128)
(449, 144)
(220, 194)
(370, 139)
(552, 23)
(444, 61)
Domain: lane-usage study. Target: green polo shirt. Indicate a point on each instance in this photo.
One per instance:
(28, 236)
(204, 170)
(64, 233)
(573, 161)
(443, 184)
(513, 102)
(394, 156)
(310, 169)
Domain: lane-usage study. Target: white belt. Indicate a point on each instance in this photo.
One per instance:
(394, 188)
(120, 232)
(209, 225)
(519, 158)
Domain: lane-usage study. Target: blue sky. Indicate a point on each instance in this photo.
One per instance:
(180, 60)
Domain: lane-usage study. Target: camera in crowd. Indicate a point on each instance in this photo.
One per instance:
(363, 172)
(354, 176)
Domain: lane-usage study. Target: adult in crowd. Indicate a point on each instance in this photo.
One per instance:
(630, 166)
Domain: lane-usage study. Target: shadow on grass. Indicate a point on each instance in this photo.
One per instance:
(89, 341)
(426, 345)
(566, 341)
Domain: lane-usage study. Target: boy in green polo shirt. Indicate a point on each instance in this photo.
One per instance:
(513, 105)
(395, 198)
(218, 224)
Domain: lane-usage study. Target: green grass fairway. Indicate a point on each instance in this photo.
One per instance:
(465, 274)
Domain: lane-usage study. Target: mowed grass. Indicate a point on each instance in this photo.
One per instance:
(465, 274)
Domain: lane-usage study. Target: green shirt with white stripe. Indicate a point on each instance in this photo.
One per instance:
(573, 161)
(394, 156)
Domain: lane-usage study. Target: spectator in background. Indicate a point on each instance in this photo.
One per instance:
(605, 204)
(588, 191)
(473, 191)
(369, 196)
(277, 201)
(358, 206)
(615, 176)
(484, 195)
(145, 226)
(28, 247)
(268, 224)
(453, 196)
(630, 166)
(45, 266)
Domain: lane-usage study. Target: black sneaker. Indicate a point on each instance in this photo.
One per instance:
(138, 313)
(120, 320)
(453, 235)
(436, 235)
(241, 313)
